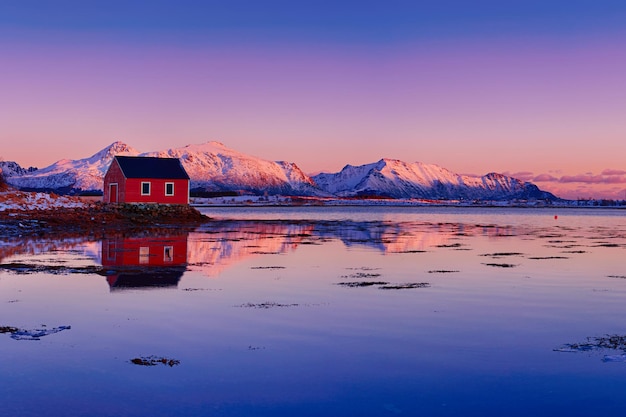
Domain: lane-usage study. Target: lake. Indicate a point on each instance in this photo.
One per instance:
(322, 311)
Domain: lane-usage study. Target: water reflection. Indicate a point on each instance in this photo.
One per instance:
(217, 245)
(339, 317)
(144, 262)
(159, 260)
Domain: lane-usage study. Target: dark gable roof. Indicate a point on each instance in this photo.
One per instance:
(149, 167)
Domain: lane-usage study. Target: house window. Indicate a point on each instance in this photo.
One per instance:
(169, 188)
(144, 255)
(168, 254)
(145, 188)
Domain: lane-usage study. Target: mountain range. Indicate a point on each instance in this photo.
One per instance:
(213, 167)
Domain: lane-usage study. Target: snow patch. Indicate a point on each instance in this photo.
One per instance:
(12, 200)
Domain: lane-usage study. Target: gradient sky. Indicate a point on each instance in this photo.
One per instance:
(531, 88)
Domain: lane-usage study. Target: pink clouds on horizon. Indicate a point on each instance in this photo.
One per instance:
(606, 177)
(613, 172)
(587, 185)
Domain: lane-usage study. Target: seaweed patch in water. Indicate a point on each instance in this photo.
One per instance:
(362, 275)
(442, 271)
(361, 283)
(405, 286)
(614, 342)
(266, 305)
(267, 267)
(616, 276)
(35, 334)
(410, 251)
(501, 265)
(452, 245)
(608, 342)
(501, 254)
(154, 361)
(8, 329)
(256, 347)
(21, 268)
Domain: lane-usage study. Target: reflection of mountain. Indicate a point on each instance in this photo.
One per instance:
(220, 244)
(152, 261)
(136, 262)
(384, 236)
(217, 245)
(31, 246)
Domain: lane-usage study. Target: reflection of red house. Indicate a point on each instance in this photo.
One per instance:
(132, 179)
(144, 251)
(144, 261)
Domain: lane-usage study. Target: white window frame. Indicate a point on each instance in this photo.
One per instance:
(149, 187)
(173, 192)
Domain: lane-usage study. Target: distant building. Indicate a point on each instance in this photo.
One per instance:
(135, 179)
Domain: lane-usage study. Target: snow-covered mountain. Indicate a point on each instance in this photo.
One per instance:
(67, 176)
(211, 167)
(397, 179)
(214, 167)
(11, 169)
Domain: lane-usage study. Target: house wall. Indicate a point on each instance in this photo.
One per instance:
(114, 175)
(132, 192)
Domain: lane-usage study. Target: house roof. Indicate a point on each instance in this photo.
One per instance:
(150, 167)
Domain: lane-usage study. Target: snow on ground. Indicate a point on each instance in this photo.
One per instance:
(19, 200)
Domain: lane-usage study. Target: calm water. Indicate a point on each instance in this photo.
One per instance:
(322, 312)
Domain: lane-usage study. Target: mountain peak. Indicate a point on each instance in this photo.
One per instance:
(116, 148)
(214, 167)
(209, 147)
(397, 179)
(495, 175)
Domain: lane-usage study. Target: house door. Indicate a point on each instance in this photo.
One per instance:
(112, 193)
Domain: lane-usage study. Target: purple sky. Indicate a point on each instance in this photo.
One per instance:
(529, 89)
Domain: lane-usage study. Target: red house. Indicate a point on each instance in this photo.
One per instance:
(135, 179)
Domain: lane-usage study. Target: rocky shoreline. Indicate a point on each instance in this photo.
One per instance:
(96, 219)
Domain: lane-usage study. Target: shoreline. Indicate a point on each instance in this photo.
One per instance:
(39, 214)
(464, 206)
(97, 219)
